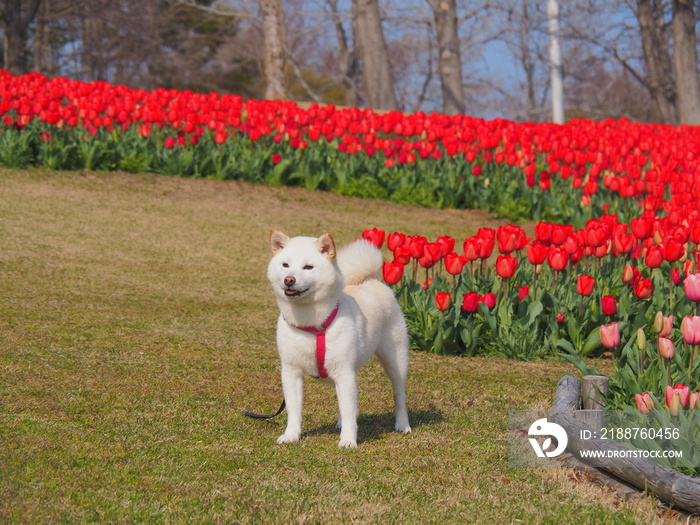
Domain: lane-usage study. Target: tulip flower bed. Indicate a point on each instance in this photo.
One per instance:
(615, 203)
(567, 292)
(566, 174)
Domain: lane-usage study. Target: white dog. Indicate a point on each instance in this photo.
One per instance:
(334, 315)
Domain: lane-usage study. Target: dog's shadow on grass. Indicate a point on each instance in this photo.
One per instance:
(373, 426)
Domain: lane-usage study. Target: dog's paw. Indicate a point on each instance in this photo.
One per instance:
(347, 443)
(288, 438)
(403, 429)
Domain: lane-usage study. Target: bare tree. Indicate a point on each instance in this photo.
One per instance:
(685, 61)
(374, 55)
(274, 54)
(16, 17)
(347, 57)
(524, 34)
(450, 60)
(655, 42)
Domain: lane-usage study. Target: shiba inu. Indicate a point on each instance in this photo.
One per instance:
(335, 314)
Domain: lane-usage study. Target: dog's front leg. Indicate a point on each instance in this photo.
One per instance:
(346, 390)
(293, 387)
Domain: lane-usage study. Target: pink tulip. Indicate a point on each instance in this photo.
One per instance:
(610, 335)
(644, 402)
(691, 285)
(666, 348)
(677, 397)
(693, 401)
(690, 327)
(663, 325)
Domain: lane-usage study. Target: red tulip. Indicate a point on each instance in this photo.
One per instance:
(507, 237)
(623, 243)
(654, 256)
(676, 276)
(560, 317)
(489, 299)
(454, 263)
(608, 305)
(470, 302)
(447, 243)
(417, 246)
(610, 335)
(642, 227)
(630, 275)
(557, 258)
(585, 285)
(560, 233)
(643, 288)
(486, 245)
(471, 248)
(486, 233)
(506, 266)
(402, 254)
(598, 233)
(523, 292)
(673, 250)
(543, 232)
(433, 251)
(375, 236)
(537, 252)
(392, 272)
(695, 232)
(443, 300)
(571, 245)
(394, 240)
(425, 262)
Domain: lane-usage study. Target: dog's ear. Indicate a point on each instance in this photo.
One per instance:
(278, 240)
(326, 246)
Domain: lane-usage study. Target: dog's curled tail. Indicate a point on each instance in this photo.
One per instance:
(360, 261)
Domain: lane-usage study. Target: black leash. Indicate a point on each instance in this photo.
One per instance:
(264, 416)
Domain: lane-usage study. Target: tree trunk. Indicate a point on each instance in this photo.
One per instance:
(658, 59)
(274, 58)
(347, 59)
(43, 61)
(373, 53)
(445, 13)
(685, 62)
(94, 61)
(17, 16)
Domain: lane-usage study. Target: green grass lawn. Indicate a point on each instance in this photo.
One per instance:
(136, 321)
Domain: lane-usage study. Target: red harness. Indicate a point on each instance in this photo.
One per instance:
(320, 340)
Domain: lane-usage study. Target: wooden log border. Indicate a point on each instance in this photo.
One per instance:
(669, 485)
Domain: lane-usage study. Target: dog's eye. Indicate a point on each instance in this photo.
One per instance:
(285, 265)
(308, 267)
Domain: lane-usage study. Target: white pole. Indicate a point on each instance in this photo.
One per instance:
(555, 63)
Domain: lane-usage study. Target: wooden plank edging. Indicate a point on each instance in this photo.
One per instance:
(671, 486)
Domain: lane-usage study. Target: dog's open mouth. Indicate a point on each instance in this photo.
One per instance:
(292, 292)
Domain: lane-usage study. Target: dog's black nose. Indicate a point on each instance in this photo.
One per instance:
(289, 281)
